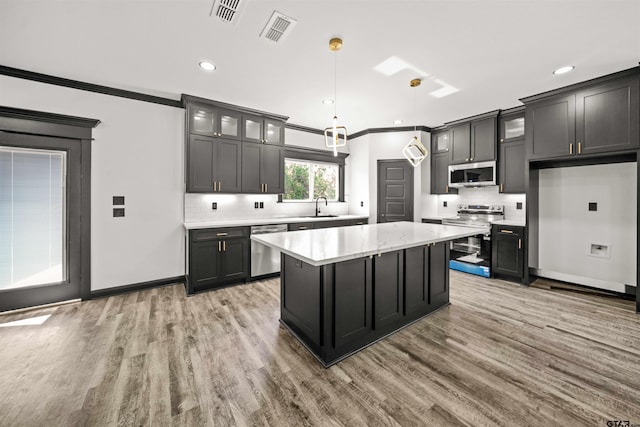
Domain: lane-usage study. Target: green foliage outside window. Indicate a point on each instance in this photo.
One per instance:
(303, 178)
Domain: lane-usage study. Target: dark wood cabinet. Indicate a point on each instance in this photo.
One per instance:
(441, 141)
(208, 120)
(388, 289)
(512, 153)
(438, 274)
(597, 119)
(262, 168)
(213, 165)
(217, 257)
(507, 247)
(262, 130)
(474, 140)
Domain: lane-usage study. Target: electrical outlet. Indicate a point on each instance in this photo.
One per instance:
(593, 206)
(518, 205)
(256, 205)
(261, 205)
(214, 205)
(118, 200)
(362, 204)
(444, 203)
(118, 212)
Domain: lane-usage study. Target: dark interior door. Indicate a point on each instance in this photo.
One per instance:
(40, 220)
(395, 191)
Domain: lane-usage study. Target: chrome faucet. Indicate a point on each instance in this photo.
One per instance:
(326, 203)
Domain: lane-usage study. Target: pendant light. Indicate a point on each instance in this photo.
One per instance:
(414, 151)
(334, 141)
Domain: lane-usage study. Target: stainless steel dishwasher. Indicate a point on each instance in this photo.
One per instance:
(265, 260)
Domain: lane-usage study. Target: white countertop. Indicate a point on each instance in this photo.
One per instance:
(511, 222)
(329, 245)
(264, 221)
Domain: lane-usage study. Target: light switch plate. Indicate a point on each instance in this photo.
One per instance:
(118, 200)
(118, 212)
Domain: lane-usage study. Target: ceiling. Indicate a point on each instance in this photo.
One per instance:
(493, 52)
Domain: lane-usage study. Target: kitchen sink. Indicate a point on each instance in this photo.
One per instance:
(321, 216)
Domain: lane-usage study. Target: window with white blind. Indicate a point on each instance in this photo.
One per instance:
(32, 217)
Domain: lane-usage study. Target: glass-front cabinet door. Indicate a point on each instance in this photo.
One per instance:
(512, 128)
(203, 121)
(275, 132)
(229, 124)
(253, 128)
(441, 141)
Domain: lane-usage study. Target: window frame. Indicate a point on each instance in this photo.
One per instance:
(319, 156)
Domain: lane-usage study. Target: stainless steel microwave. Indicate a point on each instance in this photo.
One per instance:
(472, 174)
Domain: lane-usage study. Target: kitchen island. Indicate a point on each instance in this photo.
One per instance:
(342, 289)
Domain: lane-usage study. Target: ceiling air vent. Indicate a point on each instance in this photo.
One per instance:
(278, 27)
(226, 10)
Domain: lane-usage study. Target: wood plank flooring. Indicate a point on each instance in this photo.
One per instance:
(500, 354)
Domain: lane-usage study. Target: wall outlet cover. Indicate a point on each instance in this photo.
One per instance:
(361, 204)
(593, 206)
(118, 200)
(518, 205)
(118, 212)
(256, 205)
(261, 205)
(214, 205)
(444, 203)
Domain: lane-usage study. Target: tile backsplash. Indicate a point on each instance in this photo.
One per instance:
(483, 196)
(197, 207)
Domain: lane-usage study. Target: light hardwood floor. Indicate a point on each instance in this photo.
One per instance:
(500, 354)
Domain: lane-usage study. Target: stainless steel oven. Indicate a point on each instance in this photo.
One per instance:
(473, 254)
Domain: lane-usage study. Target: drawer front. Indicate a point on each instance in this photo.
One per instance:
(218, 233)
(509, 230)
(301, 226)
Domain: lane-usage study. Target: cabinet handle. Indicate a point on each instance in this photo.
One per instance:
(224, 246)
(302, 228)
(466, 160)
(519, 243)
(501, 139)
(222, 234)
(214, 186)
(501, 188)
(446, 188)
(570, 148)
(471, 159)
(219, 246)
(579, 147)
(266, 188)
(219, 185)
(506, 231)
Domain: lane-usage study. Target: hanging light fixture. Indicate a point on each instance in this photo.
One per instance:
(414, 151)
(334, 141)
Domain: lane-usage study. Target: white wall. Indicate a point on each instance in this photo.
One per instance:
(365, 153)
(138, 153)
(485, 196)
(567, 228)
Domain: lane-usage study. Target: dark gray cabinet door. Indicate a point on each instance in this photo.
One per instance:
(201, 164)
(550, 125)
(251, 182)
(507, 251)
(351, 301)
(227, 165)
(205, 266)
(387, 289)
(215, 122)
(416, 279)
(483, 140)
(460, 143)
(235, 258)
(440, 174)
(512, 167)
(607, 118)
(440, 141)
(272, 169)
(439, 273)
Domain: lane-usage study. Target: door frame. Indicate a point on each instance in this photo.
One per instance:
(379, 189)
(77, 131)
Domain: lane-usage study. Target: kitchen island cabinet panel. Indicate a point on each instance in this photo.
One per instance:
(300, 305)
(352, 301)
(387, 291)
(416, 280)
(438, 274)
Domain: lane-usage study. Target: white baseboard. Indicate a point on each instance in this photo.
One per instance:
(580, 280)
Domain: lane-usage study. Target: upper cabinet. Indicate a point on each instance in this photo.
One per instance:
(440, 159)
(595, 118)
(474, 139)
(219, 153)
(441, 141)
(262, 130)
(511, 152)
(214, 122)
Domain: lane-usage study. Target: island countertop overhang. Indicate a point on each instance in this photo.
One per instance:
(331, 245)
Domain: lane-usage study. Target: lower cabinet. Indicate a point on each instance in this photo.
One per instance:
(508, 248)
(217, 257)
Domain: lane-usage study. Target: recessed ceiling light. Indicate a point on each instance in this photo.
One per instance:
(327, 101)
(563, 70)
(207, 66)
(397, 122)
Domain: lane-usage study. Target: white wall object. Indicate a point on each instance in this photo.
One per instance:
(567, 229)
(137, 152)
